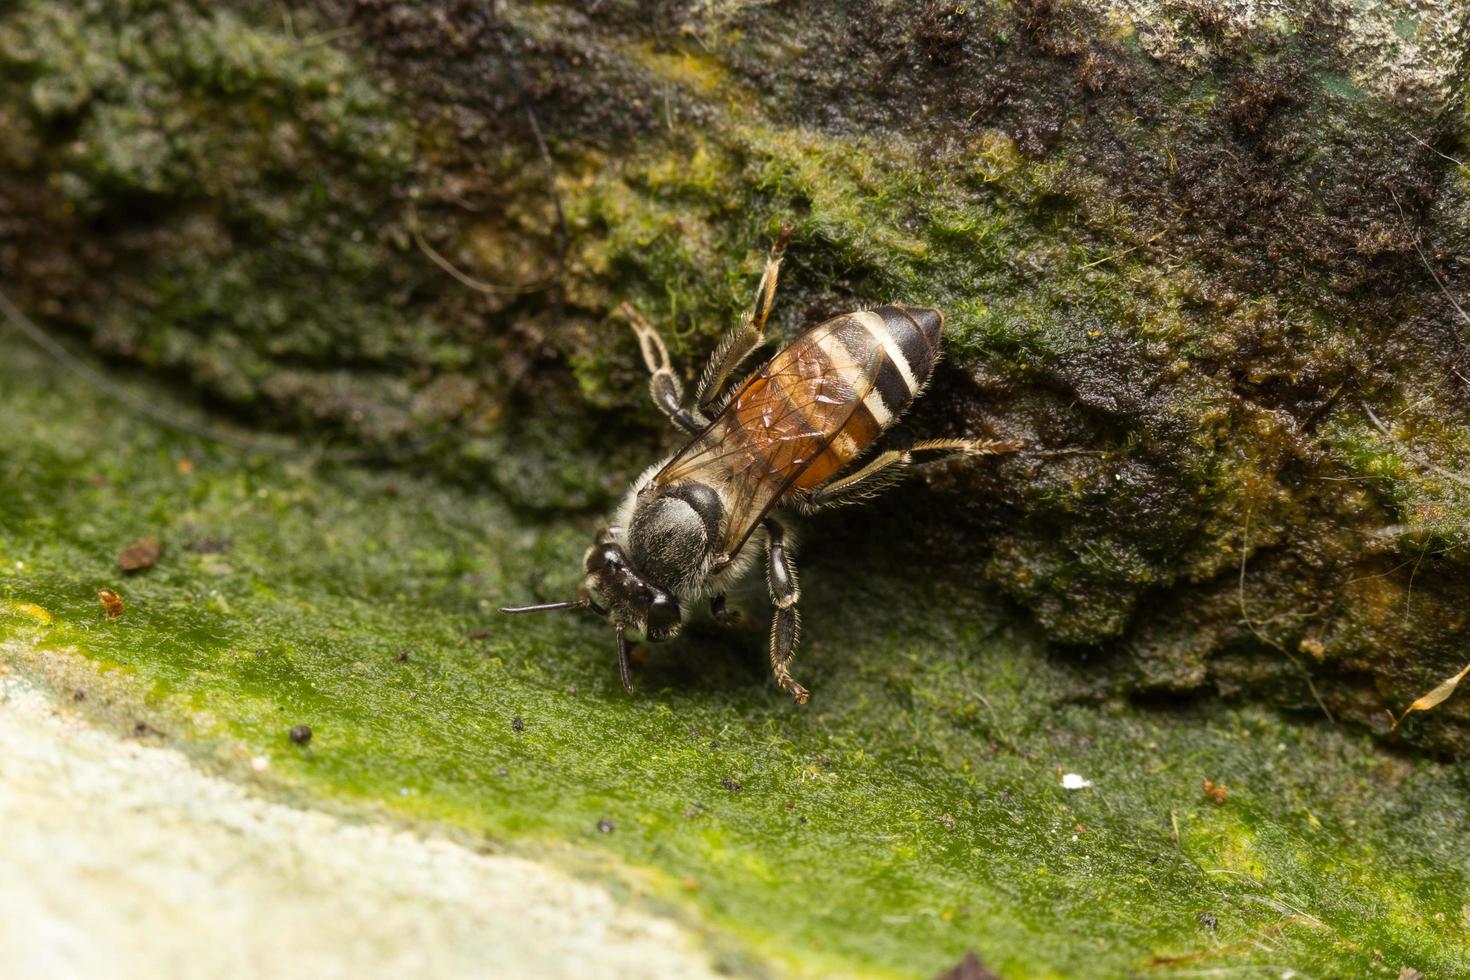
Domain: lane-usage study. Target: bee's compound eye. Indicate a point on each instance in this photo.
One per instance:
(663, 614)
(605, 557)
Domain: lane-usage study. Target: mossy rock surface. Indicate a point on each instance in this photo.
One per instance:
(915, 810)
(1207, 266)
(1217, 253)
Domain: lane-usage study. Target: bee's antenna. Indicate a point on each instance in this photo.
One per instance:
(624, 670)
(548, 606)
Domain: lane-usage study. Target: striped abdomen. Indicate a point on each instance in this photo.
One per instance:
(799, 419)
(822, 401)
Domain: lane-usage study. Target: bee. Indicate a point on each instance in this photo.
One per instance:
(784, 436)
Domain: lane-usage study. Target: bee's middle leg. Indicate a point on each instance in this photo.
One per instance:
(786, 624)
(663, 383)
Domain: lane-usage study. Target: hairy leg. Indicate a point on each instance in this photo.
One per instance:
(663, 384)
(745, 337)
(888, 468)
(786, 624)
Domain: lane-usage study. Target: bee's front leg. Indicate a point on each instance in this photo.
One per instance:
(786, 625)
(724, 616)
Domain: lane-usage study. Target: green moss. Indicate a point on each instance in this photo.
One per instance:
(911, 812)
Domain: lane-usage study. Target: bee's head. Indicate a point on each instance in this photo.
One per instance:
(615, 590)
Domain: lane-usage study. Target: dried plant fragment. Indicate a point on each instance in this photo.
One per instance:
(1434, 697)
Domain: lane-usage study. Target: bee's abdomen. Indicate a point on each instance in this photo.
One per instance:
(904, 343)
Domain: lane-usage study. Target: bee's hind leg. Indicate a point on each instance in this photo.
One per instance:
(663, 383)
(890, 467)
(746, 336)
(786, 625)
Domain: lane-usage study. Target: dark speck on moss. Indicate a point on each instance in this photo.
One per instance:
(517, 724)
(730, 784)
(969, 968)
(605, 825)
(301, 734)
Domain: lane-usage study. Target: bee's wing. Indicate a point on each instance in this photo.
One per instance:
(780, 419)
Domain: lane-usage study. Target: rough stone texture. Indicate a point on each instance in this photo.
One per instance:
(122, 860)
(951, 786)
(1219, 252)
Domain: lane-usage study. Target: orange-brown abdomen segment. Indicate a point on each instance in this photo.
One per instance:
(881, 359)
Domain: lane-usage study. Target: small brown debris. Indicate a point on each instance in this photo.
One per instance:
(730, 784)
(141, 554)
(969, 968)
(605, 825)
(517, 724)
(79, 695)
(301, 734)
(112, 604)
(403, 656)
(142, 728)
(185, 465)
(1218, 792)
(478, 634)
(1313, 648)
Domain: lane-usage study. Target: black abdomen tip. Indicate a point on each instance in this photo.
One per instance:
(930, 321)
(916, 331)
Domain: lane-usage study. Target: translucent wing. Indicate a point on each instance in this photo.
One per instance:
(779, 423)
